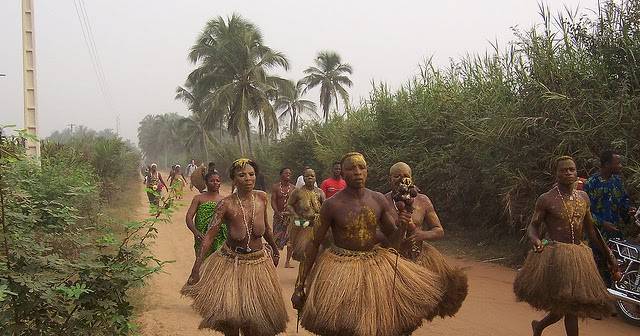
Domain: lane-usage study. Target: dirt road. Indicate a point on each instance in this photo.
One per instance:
(489, 310)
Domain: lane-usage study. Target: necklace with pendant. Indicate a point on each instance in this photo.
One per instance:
(249, 228)
(572, 198)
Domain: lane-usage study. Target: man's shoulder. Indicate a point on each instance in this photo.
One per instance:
(544, 197)
(375, 195)
(582, 194)
(423, 198)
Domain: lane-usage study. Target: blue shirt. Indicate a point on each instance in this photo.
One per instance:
(609, 200)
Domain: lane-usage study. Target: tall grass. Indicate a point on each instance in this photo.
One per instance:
(481, 133)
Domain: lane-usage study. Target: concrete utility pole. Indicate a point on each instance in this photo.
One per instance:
(29, 78)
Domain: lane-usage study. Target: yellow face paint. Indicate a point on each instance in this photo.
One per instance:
(357, 159)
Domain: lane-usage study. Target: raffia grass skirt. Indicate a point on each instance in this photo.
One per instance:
(239, 292)
(453, 278)
(352, 293)
(563, 279)
(299, 238)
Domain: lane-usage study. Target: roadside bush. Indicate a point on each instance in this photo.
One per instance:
(63, 270)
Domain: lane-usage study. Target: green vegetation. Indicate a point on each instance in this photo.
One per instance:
(235, 99)
(331, 75)
(481, 133)
(65, 267)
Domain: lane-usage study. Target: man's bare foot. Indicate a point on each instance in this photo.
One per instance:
(288, 265)
(535, 327)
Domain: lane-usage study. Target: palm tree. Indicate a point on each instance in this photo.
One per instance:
(291, 105)
(233, 69)
(332, 75)
(196, 127)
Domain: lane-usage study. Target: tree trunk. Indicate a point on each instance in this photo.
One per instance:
(204, 144)
(240, 142)
(249, 142)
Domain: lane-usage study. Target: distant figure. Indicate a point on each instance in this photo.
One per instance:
(280, 193)
(300, 180)
(154, 182)
(177, 181)
(304, 205)
(334, 183)
(191, 168)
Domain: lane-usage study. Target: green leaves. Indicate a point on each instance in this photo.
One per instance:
(5, 292)
(69, 267)
(73, 292)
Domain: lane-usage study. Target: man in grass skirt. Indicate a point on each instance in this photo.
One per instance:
(560, 276)
(356, 287)
(425, 226)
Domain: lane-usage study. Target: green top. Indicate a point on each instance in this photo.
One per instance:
(204, 215)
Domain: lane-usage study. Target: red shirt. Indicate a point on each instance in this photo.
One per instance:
(331, 186)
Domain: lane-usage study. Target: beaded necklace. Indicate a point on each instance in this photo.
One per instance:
(285, 194)
(248, 227)
(573, 197)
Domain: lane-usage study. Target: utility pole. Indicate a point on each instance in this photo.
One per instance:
(29, 79)
(71, 126)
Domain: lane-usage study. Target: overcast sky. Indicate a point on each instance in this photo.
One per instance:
(143, 47)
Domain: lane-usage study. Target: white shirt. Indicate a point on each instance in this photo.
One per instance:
(191, 168)
(300, 182)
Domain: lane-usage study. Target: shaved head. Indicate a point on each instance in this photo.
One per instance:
(400, 167)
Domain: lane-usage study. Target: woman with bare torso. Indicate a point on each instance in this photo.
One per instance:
(236, 289)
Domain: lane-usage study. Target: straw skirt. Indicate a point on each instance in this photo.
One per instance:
(453, 279)
(355, 293)
(563, 279)
(239, 292)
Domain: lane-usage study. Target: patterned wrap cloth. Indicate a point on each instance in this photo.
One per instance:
(204, 215)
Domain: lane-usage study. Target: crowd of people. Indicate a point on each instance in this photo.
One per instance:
(365, 263)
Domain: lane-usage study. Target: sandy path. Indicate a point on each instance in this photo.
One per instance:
(490, 308)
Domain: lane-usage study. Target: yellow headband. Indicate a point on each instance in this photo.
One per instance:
(357, 156)
(239, 163)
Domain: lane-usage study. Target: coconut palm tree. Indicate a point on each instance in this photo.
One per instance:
(234, 70)
(332, 76)
(291, 105)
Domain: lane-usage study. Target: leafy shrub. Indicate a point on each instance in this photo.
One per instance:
(481, 133)
(63, 270)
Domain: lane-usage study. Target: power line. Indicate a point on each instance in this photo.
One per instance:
(87, 33)
(96, 54)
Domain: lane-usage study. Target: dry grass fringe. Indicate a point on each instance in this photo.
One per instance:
(563, 279)
(299, 238)
(453, 278)
(354, 293)
(197, 178)
(239, 292)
